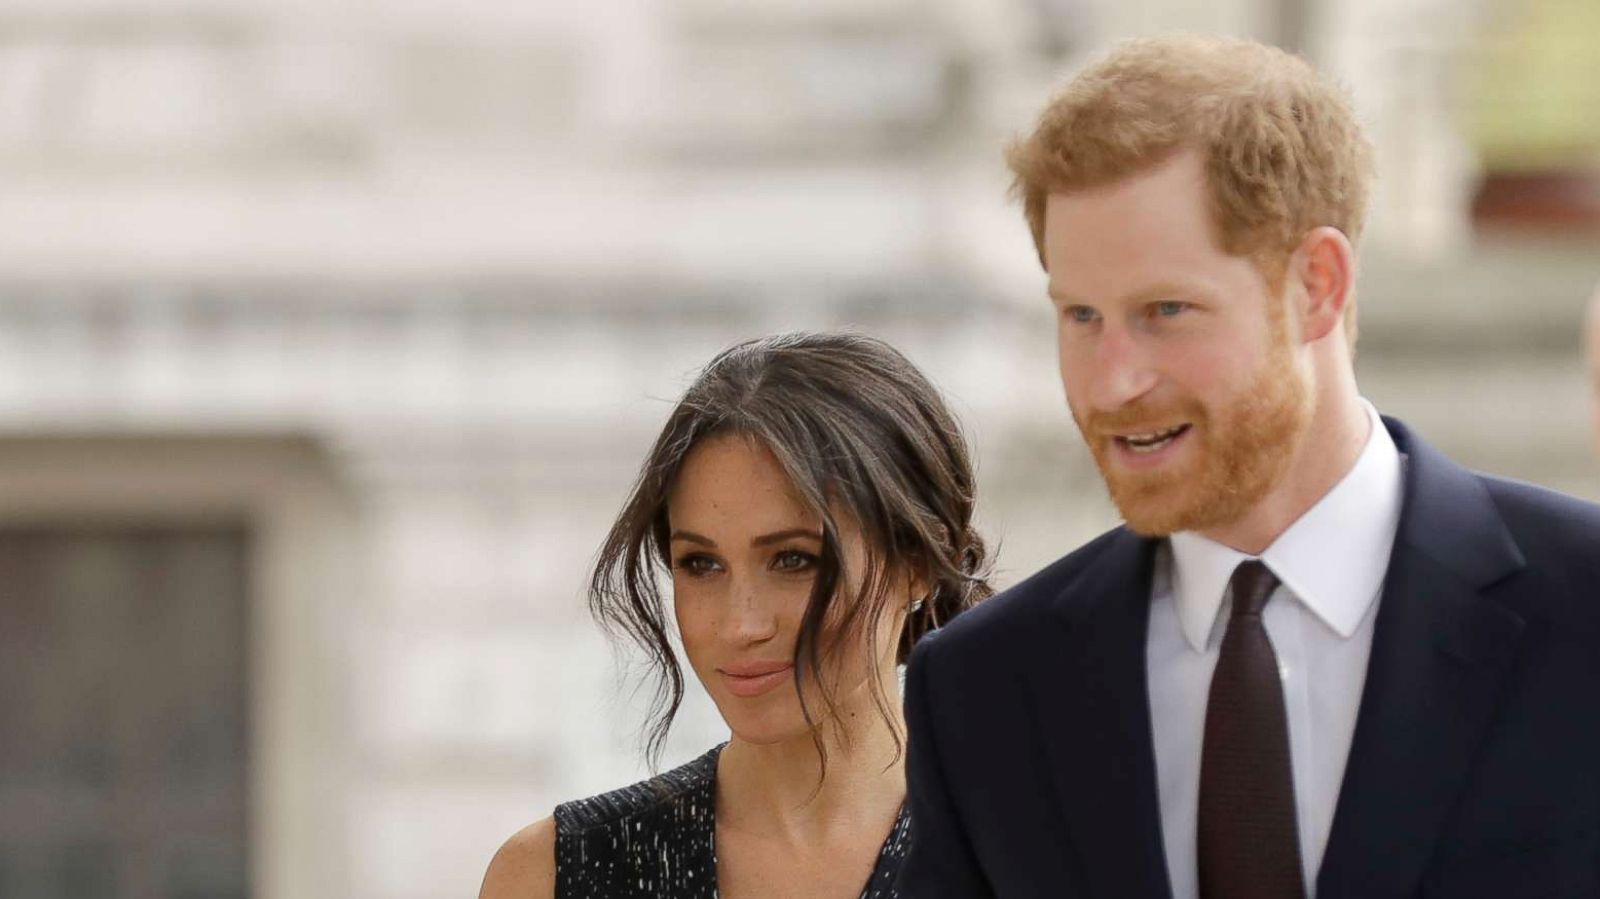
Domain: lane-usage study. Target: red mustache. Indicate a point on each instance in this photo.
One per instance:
(1139, 416)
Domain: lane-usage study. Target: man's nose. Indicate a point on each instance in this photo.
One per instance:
(1120, 370)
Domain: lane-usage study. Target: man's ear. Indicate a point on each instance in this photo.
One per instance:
(1324, 268)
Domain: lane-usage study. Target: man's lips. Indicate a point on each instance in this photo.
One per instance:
(747, 679)
(1149, 440)
(1146, 448)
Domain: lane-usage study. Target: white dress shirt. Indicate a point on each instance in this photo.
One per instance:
(1331, 563)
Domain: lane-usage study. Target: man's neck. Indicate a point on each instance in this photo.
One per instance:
(1339, 430)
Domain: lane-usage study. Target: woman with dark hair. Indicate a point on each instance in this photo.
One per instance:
(812, 499)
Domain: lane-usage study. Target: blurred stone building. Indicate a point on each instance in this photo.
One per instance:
(331, 334)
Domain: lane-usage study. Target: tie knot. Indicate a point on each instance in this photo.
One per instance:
(1252, 583)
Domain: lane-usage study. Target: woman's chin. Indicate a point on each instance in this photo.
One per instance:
(776, 717)
(769, 734)
(767, 726)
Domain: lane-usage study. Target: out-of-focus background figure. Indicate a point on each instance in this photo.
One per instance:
(330, 333)
(1591, 347)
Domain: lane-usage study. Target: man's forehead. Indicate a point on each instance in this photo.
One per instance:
(1179, 171)
(1158, 211)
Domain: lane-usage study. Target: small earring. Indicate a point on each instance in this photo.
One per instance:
(916, 605)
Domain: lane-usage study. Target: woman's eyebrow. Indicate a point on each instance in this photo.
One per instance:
(780, 536)
(692, 537)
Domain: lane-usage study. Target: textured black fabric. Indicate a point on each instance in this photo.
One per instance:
(1249, 841)
(657, 838)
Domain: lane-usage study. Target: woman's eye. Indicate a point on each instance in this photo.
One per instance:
(696, 564)
(793, 560)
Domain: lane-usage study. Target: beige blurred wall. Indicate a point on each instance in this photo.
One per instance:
(469, 252)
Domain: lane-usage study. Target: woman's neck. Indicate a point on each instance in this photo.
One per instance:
(781, 790)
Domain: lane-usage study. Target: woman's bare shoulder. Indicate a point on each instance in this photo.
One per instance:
(525, 867)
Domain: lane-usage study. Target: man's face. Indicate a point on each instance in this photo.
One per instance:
(1177, 358)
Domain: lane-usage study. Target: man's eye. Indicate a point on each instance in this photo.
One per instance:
(793, 560)
(1081, 314)
(1170, 308)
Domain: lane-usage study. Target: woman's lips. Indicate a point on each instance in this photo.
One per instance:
(754, 679)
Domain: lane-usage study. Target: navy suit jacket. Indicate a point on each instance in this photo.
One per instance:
(1475, 765)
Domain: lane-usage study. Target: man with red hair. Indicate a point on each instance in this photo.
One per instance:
(1320, 658)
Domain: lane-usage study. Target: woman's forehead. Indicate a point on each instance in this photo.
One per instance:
(735, 483)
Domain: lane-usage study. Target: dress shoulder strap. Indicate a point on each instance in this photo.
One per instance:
(654, 838)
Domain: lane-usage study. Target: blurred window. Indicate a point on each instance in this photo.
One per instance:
(123, 701)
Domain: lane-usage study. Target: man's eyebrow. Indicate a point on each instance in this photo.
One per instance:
(1061, 297)
(1163, 290)
(1159, 290)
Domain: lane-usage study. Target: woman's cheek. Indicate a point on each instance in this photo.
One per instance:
(697, 626)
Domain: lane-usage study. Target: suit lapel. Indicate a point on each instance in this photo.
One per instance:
(1440, 656)
(1092, 707)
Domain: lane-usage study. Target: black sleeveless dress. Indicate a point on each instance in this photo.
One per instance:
(657, 839)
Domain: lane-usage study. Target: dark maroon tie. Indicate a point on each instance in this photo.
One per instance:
(1249, 840)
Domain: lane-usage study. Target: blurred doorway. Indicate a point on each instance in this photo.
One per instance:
(124, 698)
(176, 669)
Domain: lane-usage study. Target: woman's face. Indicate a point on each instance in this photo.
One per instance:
(744, 550)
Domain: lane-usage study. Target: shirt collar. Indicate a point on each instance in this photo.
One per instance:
(1333, 558)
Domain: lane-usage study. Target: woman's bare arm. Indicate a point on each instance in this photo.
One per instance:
(525, 867)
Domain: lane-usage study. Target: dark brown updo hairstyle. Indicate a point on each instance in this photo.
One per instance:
(859, 431)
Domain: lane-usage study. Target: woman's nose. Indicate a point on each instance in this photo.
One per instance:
(753, 619)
